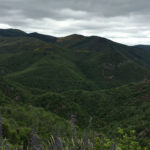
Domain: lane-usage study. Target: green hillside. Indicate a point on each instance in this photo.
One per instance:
(78, 66)
(47, 79)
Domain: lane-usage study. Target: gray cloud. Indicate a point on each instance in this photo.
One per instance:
(126, 21)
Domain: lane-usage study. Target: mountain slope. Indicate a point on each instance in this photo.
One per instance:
(74, 62)
(47, 79)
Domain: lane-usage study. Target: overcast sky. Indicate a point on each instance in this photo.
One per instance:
(124, 21)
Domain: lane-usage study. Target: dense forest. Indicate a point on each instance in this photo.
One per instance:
(74, 92)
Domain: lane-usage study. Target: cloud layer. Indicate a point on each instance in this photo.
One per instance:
(124, 21)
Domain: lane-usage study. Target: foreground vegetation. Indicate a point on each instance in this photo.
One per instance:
(64, 137)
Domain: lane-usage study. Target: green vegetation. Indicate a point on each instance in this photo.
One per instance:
(44, 80)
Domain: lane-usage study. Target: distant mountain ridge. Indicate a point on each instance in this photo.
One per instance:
(80, 62)
(12, 32)
(146, 47)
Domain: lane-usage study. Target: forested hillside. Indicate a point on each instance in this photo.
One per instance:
(45, 80)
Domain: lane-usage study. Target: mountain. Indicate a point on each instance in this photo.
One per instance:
(85, 76)
(12, 33)
(146, 47)
(42, 37)
(73, 62)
